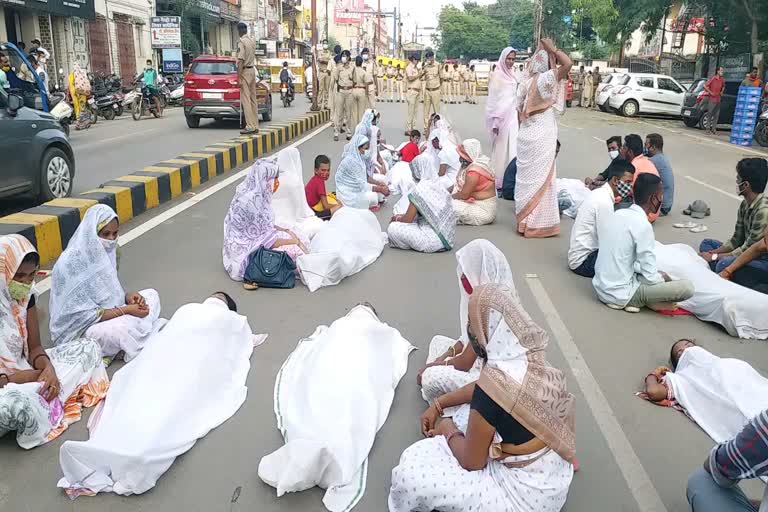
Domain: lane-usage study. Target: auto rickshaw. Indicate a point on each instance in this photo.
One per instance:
(29, 91)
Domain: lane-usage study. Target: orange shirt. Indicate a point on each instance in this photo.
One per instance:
(644, 165)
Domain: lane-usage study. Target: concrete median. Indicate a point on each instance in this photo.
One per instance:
(51, 225)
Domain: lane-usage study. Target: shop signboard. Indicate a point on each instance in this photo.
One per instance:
(172, 60)
(84, 9)
(165, 31)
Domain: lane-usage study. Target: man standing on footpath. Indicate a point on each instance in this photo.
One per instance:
(246, 78)
(431, 74)
(341, 82)
(714, 89)
(413, 85)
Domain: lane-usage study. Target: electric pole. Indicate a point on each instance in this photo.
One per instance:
(376, 30)
(315, 68)
(538, 9)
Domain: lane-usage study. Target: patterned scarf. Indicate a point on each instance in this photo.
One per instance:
(13, 314)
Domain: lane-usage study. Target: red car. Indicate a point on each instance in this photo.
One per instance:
(211, 91)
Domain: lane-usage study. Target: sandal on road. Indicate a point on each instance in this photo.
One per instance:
(701, 228)
(684, 225)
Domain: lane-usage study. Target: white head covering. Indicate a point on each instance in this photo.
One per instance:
(482, 263)
(85, 280)
(351, 175)
(289, 203)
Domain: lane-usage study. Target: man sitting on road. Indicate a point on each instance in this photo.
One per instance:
(626, 276)
(632, 151)
(714, 488)
(613, 144)
(582, 253)
(654, 147)
(751, 220)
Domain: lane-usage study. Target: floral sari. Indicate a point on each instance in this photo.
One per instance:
(434, 229)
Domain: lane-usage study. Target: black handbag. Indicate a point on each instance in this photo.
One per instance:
(271, 269)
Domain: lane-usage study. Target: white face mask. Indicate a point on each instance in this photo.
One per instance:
(365, 56)
(613, 154)
(343, 60)
(108, 245)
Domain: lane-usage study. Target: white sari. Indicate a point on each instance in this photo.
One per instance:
(289, 203)
(329, 418)
(482, 263)
(156, 411)
(85, 284)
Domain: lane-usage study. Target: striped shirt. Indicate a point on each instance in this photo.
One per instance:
(751, 223)
(745, 456)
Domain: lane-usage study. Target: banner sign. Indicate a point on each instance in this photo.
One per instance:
(165, 31)
(172, 61)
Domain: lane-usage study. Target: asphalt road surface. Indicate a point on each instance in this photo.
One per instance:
(634, 456)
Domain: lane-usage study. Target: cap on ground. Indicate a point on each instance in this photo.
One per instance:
(697, 209)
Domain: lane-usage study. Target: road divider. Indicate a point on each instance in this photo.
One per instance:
(51, 225)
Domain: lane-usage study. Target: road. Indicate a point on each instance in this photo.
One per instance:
(634, 456)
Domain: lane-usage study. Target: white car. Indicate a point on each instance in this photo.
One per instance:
(604, 89)
(647, 93)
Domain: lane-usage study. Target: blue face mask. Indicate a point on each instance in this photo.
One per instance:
(367, 154)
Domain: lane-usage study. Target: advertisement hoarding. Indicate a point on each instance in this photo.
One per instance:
(342, 14)
(172, 61)
(165, 31)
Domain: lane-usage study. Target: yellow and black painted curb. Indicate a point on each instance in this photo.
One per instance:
(51, 225)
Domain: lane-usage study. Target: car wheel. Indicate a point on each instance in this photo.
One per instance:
(603, 108)
(704, 122)
(267, 116)
(56, 175)
(193, 121)
(690, 122)
(630, 108)
(109, 114)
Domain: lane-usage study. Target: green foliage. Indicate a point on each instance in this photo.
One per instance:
(473, 35)
(517, 16)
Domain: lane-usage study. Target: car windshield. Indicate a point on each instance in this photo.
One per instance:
(697, 86)
(213, 68)
(624, 80)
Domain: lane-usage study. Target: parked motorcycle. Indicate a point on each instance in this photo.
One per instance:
(286, 94)
(177, 96)
(146, 101)
(109, 105)
(761, 130)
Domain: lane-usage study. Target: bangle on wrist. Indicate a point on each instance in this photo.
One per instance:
(34, 361)
(439, 407)
(7, 379)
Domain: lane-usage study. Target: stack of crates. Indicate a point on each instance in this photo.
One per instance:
(745, 116)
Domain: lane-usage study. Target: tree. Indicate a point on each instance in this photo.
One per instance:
(517, 15)
(471, 35)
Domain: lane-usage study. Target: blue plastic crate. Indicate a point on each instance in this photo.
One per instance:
(751, 91)
(745, 117)
(741, 142)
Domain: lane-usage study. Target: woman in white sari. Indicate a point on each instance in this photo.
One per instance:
(541, 98)
(429, 223)
(452, 364)
(474, 198)
(501, 113)
(289, 203)
(511, 445)
(445, 153)
(87, 298)
(42, 392)
(352, 186)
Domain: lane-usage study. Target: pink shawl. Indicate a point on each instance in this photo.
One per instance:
(501, 107)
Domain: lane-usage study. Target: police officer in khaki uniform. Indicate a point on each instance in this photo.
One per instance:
(342, 82)
(391, 82)
(325, 80)
(472, 85)
(246, 78)
(369, 65)
(399, 75)
(456, 84)
(332, 65)
(413, 90)
(360, 84)
(380, 82)
(431, 74)
(446, 79)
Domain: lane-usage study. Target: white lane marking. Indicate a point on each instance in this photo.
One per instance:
(569, 126)
(712, 187)
(637, 479)
(45, 285)
(660, 127)
(598, 139)
(117, 137)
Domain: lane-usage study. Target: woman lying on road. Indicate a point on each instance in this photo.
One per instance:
(352, 186)
(720, 394)
(484, 458)
(250, 221)
(87, 298)
(474, 199)
(41, 392)
(429, 223)
(452, 364)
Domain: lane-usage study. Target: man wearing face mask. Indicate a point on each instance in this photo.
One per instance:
(369, 66)
(626, 275)
(633, 151)
(431, 74)
(654, 150)
(751, 220)
(613, 144)
(332, 65)
(342, 82)
(598, 206)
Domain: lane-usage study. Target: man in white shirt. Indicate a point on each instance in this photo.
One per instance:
(582, 253)
(626, 276)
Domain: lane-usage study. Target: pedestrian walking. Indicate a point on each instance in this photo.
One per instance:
(342, 82)
(714, 93)
(413, 83)
(431, 74)
(446, 79)
(246, 78)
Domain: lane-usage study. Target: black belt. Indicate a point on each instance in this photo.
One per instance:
(248, 67)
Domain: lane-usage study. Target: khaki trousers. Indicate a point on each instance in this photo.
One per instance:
(359, 102)
(391, 89)
(248, 100)
(431, 105)
(325, 86)
(662, 293)
(332, 100)
(472, 91)
(412, 98)
(343, 110)
(446, 87)
(381, 83)
(457, 92)
(399, 87)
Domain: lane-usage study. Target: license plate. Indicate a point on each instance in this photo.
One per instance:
(212, 96)
(687, 112)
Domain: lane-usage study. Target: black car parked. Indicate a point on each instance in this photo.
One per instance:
(37, 157)
(692, 103)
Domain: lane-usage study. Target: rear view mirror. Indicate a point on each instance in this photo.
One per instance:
(15, 102)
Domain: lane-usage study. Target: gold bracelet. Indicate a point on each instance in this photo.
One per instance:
(439, 407)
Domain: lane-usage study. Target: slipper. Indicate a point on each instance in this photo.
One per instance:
(701, 228)
(685, 225)
(614, 306)
(632, 309)
(250, 286)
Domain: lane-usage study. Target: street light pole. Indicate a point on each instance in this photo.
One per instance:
(315, 68)
(376, 31)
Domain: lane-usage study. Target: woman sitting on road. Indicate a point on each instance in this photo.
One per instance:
(452, 364)
(429, 223)
(352, 186)
(447, 157)
(87, 298)
(41, 391)
(250, 222)
(475, 198)
(289, 202)
(511, 444)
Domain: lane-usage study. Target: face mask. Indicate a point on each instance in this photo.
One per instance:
(108, 245)
(614, 154)
(741, 185)
(623, 188)
(365, 56)
(344, 60)
(367, 154)
(19, 291)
